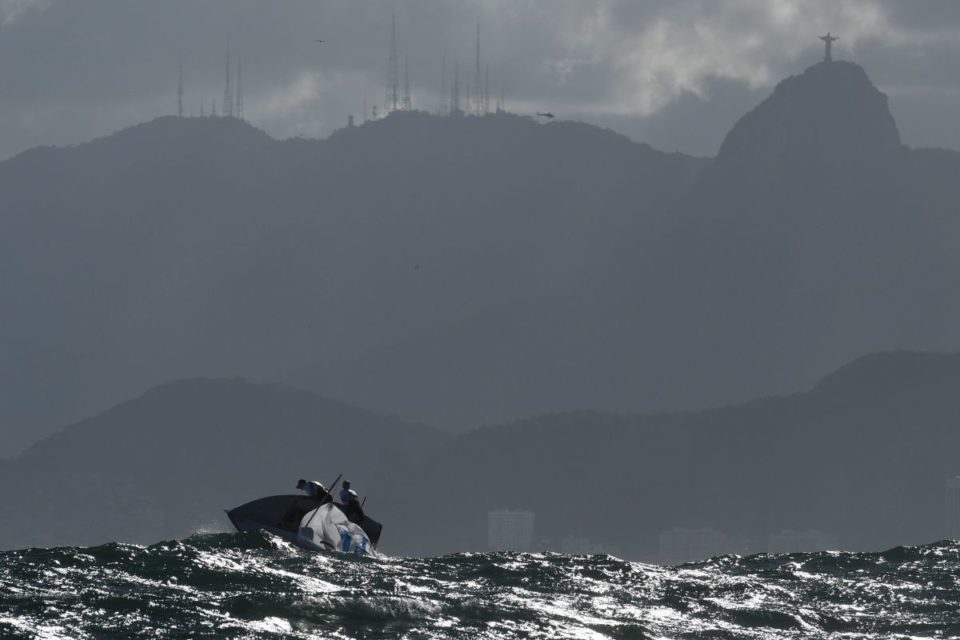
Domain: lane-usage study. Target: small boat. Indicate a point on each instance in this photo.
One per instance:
(310, 524)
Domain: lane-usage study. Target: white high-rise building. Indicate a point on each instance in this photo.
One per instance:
(951, 509)
(509, 530)
(678, 545)
(790, 541)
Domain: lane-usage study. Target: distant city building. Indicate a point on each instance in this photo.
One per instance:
(951, 509)
(790, 541)
(678, 545)
(509, 530)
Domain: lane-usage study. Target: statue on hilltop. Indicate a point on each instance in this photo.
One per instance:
(828, 40)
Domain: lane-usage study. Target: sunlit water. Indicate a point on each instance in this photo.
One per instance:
(251, 586)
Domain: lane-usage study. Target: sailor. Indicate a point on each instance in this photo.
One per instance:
(314, 489)
(352, 508)
(345, 493)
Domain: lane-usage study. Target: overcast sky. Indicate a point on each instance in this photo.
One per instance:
(674, 73)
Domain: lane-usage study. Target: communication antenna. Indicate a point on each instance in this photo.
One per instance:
(477, 89)
(406, 83)
(180, 89)
(443, 86)
(239, 104)
(393, 71)
(227, 92)
(455, 95)
(486, 92)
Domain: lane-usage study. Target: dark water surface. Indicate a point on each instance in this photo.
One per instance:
(250, 586)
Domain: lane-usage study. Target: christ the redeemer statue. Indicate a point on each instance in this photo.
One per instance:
(828, 39)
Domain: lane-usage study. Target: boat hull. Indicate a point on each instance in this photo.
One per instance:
(281, 515)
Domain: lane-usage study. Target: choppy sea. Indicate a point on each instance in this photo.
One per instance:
(257, 586)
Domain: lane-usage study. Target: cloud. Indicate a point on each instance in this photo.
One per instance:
(650, 54)
(12, 10)
(75, 70)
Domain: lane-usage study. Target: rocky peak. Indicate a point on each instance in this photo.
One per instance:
(828, 118)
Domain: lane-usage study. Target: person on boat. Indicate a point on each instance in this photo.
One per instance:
(345, 493)
(314, 489)
(351, 506)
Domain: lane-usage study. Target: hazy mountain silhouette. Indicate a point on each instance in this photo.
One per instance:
(814, 237)
(863, 455)
(169, 462)
(828, 122)
(463, 271)
(200, 246)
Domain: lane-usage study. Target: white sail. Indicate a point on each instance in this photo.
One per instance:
(327, 528)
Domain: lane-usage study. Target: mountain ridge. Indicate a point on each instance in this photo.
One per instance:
(168, 462)
(768, 271)
(249, 255)
(829, 104)
(826, 458)
(519, 267)
(819, 459)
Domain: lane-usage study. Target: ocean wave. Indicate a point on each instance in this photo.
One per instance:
(257, 586)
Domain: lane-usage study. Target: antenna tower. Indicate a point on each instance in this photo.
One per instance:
(393, 71)
(406, 83)
(477, 91)
(239, 103)
(486, 92)
(227, 106)
(180, 90)
(443, 86)
(455, 93)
